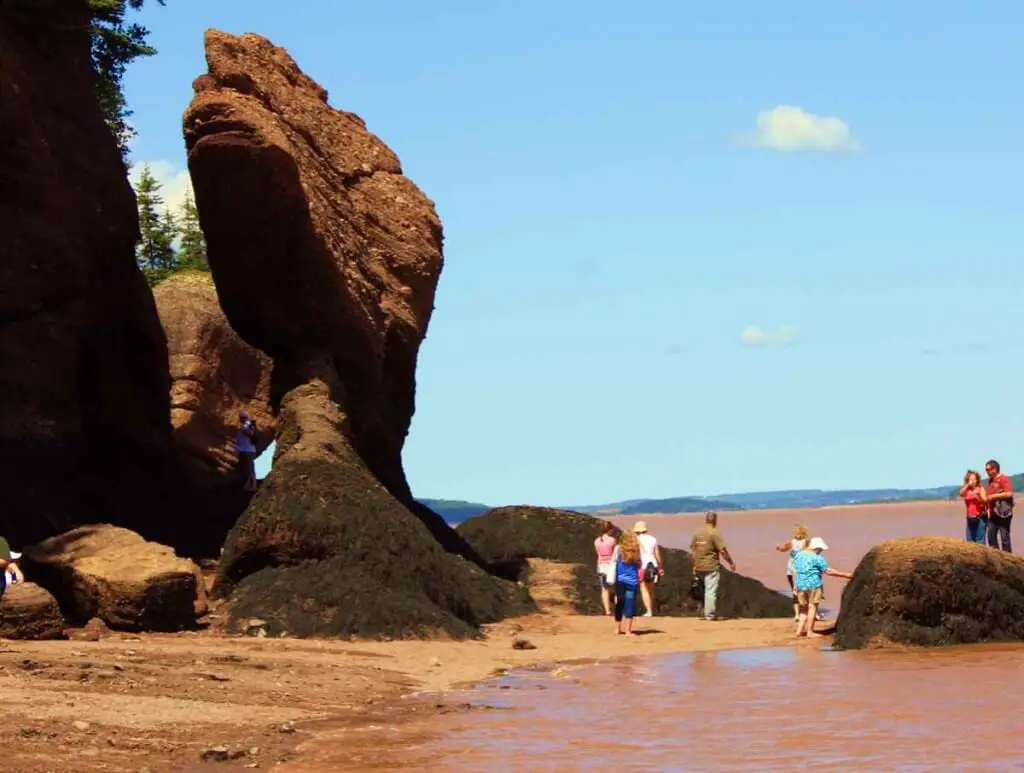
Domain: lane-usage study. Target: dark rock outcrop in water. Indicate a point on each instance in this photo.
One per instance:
(84, 429)
(510, 535)
(113, 574)
(932, 591)
(327, 258)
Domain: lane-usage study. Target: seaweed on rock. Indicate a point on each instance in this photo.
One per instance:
(930, 591)
(510, 535)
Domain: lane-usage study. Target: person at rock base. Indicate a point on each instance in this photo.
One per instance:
(13, 571)
(801, 535)
(707, 548)
(6, 561)
(245, 444)
(1000, 506)
(810, 568)
(976, 501)
(628, 568)
(652, 568)
(605, 546)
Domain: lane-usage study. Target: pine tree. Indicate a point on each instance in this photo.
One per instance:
(114, 45)
(192, 245)
(155, 251)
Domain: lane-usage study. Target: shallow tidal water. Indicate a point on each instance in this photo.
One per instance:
(742, 710)
(785, 708)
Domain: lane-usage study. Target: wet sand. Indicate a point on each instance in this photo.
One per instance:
(159, 702)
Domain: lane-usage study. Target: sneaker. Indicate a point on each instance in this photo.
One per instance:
(711, 618)
(648, 613)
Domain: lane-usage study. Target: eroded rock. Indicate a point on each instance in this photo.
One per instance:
(511, 535)
(84, 406)
(28, 611)
(115, 575)
(214, 373)
(932, 591)
(326, 258)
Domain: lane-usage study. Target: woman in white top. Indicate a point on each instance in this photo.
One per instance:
(800, 540)
(651, 567)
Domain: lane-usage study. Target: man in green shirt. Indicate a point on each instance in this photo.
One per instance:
(707, 549)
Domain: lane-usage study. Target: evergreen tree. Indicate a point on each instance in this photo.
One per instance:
(155, 251)
(115, 44)
(192, 245)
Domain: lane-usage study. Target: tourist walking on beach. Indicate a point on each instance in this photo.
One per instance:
(605, 546)
(707, 548)
(245, 444)
(793, 546)
(976, 500)
(810, 567)
(650, 561)
(1000, 506)
(627, 581)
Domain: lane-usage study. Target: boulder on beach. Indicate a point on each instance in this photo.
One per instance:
(115, 575)
(28, 611)
(930, 591)
(512, 535)
(327, 258)
(84, 389)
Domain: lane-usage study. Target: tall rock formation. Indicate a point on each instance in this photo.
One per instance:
(326, 258)
(84, 427)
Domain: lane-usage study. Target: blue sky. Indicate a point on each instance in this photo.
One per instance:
(692, 248)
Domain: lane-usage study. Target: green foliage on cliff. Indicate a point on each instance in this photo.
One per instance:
(169, 242)
(115, 44)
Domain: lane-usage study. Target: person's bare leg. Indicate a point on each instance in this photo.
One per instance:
(801, 620)
(648, 597)
(606, 599)
(629, 626)
(796, 604)
(812, 614)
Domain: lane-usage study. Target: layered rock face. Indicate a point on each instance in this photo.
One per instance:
(932, 591)
(512, 535)
(84, 428)
(326, 258)
(113, 574)
(214, 373)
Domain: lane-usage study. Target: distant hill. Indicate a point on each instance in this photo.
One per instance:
(456, 511)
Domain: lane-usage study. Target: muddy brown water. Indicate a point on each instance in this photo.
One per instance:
(756, 709)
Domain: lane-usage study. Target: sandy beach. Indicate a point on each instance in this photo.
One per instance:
(166, 702)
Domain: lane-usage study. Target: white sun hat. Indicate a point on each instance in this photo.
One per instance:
(817, 543)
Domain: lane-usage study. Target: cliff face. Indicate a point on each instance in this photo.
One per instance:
(215, 375)
(326, 258)
(84, 406)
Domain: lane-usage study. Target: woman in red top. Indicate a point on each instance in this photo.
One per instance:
(976, 499)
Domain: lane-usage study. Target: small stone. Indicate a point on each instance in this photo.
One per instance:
(523, 644)
(254, 751)
(435, 663)
(80, 726)
(215, 754)
(287, 727)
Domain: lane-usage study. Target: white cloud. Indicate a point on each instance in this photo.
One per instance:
(174, 180)
(755, 336)
(789, 129)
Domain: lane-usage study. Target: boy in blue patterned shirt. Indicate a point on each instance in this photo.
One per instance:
(809, 569)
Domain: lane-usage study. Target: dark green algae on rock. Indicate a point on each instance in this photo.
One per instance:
(932, 591)
(508, 536)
